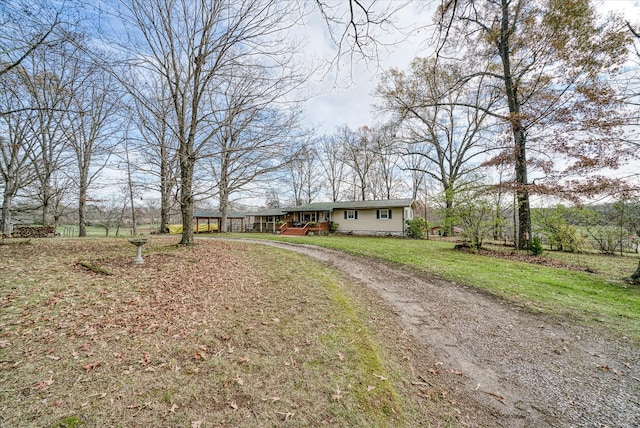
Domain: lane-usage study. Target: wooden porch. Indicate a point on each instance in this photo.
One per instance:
(295, 228)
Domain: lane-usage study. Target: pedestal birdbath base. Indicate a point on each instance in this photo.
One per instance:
(138, 242)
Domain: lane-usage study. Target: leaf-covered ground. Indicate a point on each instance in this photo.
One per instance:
(536, 260)
(218, 334)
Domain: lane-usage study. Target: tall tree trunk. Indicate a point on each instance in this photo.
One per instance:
(82, 209)
(165, 198)
(635, 278)
(522, 193)
(497, 226)
(224, 203)
(186, 199)
(134, 228)
(83, 190)
(165, 190)
(6, 214)
(223, 188)
(517, 128)
(448, 211)
(46, 203)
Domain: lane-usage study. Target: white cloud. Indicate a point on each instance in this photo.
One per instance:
(345, 93)
(350, 101)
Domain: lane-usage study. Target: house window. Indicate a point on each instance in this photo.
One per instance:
(351, 215)
(383, 214)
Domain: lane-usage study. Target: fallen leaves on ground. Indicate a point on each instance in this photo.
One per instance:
(536, 260)
(161, 333)
(338, 395)
(43, 385)
(90, 366)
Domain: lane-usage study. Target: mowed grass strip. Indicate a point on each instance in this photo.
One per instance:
(217, 334)
(601, 298)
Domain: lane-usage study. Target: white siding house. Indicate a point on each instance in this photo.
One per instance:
(385, 217)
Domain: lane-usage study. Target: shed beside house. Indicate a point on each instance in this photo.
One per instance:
(209, 221)
(212, 220)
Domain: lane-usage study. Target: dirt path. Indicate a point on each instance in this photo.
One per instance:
(504, 365)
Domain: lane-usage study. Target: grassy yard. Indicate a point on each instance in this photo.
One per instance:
(601, 298)
(234, 334)
(218, 334)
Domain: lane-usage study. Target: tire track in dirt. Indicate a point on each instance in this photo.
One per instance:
(518, 369)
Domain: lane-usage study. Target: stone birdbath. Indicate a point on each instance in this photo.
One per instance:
(138, 242)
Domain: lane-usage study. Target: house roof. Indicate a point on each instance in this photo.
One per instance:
(268, 212)
(354, 205)
(313, 206)
(216, 214)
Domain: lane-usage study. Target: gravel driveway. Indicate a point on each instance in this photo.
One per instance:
(504, 365)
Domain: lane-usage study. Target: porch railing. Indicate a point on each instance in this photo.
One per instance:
(306, 227)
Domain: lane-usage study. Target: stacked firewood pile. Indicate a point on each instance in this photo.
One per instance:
(33, 231)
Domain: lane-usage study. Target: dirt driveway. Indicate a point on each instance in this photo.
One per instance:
(503, 365)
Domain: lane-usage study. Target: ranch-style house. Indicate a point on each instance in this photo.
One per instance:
(383, 217)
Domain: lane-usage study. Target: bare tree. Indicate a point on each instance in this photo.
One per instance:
(16, 143)
(331, 160)
(359, 29)
(255, 131)
(446, 127)
(415, 164)
(499, 194)
(384, 176)
(272, 199)
(91, 129)
(193, 46)
(24, 27)
(49, 82)
(153, 119)
(631, 87)
(302, 174)
(131, 185)
(112, 212)
(359, 155)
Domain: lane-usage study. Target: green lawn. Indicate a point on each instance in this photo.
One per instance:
(601, 298)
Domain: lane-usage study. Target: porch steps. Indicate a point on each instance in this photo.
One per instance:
(295, 231)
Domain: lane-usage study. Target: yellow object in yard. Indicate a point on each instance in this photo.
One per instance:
(177, 228)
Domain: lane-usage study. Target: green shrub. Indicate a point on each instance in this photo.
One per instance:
(535, 246)
(416, 228)
(562, 235)
(475, 215)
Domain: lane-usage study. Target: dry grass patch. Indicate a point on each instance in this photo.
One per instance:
(219, 334)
